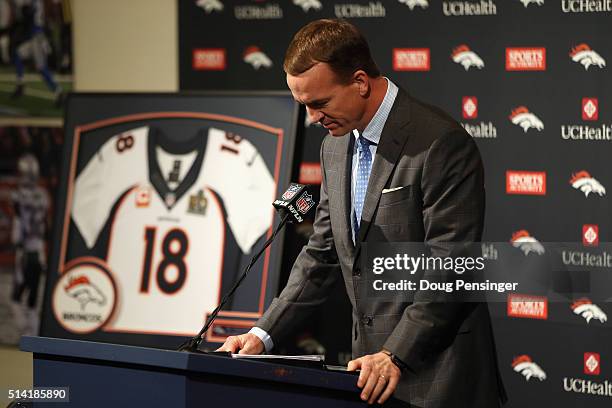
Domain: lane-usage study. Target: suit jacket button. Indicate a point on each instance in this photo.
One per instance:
(367, 320)
(357, 272)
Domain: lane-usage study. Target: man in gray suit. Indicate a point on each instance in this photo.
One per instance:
(394, 170)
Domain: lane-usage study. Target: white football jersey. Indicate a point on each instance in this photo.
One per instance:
(31, 205)
(166, 201)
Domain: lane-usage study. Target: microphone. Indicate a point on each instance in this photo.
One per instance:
(296, 202)
(293, 206)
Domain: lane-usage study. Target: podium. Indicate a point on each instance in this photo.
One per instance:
(112, 375)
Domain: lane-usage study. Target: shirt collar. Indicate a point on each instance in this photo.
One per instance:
(374, 129)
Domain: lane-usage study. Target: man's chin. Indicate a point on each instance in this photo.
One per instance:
(337, 132)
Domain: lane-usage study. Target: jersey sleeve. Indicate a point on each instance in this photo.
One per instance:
(247, 188)
(117, 166)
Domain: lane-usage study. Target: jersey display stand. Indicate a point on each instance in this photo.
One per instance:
(163, 199)
(110, 375)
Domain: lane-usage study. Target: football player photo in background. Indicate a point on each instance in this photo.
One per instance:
(35, 57)
(163, 204)
(29, 162)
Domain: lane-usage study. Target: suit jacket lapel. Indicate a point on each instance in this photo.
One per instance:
(344, 170)
(392, 141)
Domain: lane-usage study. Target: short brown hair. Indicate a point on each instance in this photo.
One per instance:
(333, 41)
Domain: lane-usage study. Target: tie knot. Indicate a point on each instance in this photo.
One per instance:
(363, 143)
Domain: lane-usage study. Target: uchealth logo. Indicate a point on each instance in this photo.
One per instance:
(469, 111)
(528, 2)
(210, 5)
(467, 58)
(209, 59)
(525, 59)
(585, 55)
(308, 5)
(526, 243)
(470, 107)
(256, 58)
(586, 6)
(412, 4)
(526, 182)
(584, 132)
(590, 109)
(590, 235)
(469, 8)
(525, 366)
(521, 116)
(527, 306)
(411, 59)
(592, 363)
(588, 310)
(586, 183)
(84, 298)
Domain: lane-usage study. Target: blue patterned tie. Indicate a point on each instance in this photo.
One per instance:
(363, 175)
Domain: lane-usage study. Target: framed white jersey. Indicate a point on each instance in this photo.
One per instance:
(162, 211)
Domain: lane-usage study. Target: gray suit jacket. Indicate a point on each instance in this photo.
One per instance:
(448, 347)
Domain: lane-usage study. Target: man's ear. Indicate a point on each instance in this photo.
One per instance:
(362, 81)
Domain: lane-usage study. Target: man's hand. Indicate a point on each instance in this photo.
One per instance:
(378, 378)
(244, 344)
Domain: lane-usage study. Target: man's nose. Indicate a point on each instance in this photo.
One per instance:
(314, 115)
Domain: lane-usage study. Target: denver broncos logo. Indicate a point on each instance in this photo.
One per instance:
(528, 2)
(466, 57)
(307, 5)
(256, 58)
(525, 119)
(586, 56)
(412, 4)
(84, 292)
(210, 5)
(524, 365)
(584, 182)
(587, 309)
(526, 243)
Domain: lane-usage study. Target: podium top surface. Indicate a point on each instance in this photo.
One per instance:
(188, 362)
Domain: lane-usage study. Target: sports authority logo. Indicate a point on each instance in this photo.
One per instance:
(291, 192)
(526, 182)
(305, 203)
(412, 4)
(525, 59)
(463, 55)
(411, 59)
(584, 182)
(351, 10)
(590, 235)
(526, 243)
(469, 107)
(521, 116)
(469, 8)
(586, 56)
(592, 363)
(524, 365)
(256, 58)
(209, 59)
(590, 109)
(528, 2)
(308, 5)
(84, 298)
(258, 12)
(588, 310)
(586, 6)
(210, 5)
(527, 306)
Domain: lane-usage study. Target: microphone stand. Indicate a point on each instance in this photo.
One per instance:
(193, 343)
